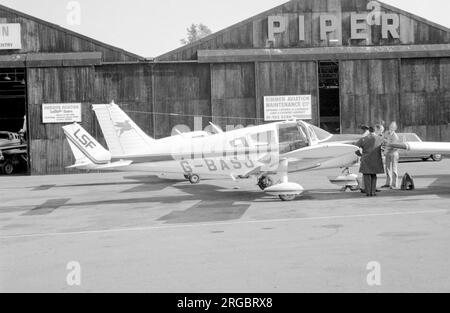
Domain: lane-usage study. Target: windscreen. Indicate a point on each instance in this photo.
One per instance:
(321, 134)
(291, 138)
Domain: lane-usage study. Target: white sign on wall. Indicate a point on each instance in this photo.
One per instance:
(10, 37)
(61, 113)
(282, 108)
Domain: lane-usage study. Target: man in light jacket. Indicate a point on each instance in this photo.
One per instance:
(392, 157)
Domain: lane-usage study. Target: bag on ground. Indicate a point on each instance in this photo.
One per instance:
(408, 182)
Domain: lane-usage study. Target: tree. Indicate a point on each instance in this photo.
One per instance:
(196, 32)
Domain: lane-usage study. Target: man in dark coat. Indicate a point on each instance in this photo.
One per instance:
(371, 161)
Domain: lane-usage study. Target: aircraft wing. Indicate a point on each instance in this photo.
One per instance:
(322, 156)
(424, 147)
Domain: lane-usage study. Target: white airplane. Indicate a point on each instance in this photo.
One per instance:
(268, 152)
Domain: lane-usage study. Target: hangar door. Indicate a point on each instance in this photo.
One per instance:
(13, 111)
(329, 97)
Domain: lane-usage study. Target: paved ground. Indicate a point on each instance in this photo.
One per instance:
(131, 232)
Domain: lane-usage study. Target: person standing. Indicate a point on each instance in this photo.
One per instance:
(371, 161)
(379, 130)
(366, 132)
(392, 157)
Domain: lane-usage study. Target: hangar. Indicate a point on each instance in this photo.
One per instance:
(357, 61)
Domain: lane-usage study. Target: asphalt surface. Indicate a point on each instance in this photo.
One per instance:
(135, 233)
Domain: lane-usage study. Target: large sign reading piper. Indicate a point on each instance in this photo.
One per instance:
(331, 25)
(10, 37)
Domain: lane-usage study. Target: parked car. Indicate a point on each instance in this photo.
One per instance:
(406, 156)
(9, 139)
(13, 153)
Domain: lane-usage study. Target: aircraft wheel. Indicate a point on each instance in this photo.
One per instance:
(194, 179)
(287, 197)
(7, 168)
(265, 182)
(437, 157)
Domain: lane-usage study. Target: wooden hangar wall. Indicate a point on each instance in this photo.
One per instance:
(277, 53)
(129, 85)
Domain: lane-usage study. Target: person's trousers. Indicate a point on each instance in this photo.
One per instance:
(370, 183)
(392, 160)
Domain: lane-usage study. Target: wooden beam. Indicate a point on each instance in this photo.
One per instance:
(329, 53)
(63, 59)
(13, 60)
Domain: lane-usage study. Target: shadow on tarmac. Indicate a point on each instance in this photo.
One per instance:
(440, 187)
(218, 204)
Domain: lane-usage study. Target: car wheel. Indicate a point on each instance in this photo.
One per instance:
(7, 168)
(437, 157)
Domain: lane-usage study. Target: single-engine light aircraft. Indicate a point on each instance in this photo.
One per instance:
(268, 152)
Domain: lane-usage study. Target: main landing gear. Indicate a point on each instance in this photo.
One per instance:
(194, 179)
(265, 182)
(285, 190)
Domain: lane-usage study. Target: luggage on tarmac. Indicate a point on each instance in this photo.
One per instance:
(408, 183)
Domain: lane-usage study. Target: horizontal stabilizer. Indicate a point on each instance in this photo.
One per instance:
(91, 166)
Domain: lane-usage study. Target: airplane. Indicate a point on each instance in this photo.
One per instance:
(268, 152)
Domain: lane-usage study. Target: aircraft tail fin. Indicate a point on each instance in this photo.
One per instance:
(86, 150)
(122, 135)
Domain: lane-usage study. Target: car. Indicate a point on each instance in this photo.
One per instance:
(406, 156)
(9, 139)
(13, 153)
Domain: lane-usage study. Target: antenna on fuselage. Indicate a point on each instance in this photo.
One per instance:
(216, 128)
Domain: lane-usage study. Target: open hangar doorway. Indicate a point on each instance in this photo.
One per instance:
(13, 122)
(329, 96)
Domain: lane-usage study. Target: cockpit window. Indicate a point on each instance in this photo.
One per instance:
(321, 134)
(291, 138)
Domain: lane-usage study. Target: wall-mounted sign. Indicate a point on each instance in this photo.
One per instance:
(281, 108)
(61, 113)
(10, 37)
